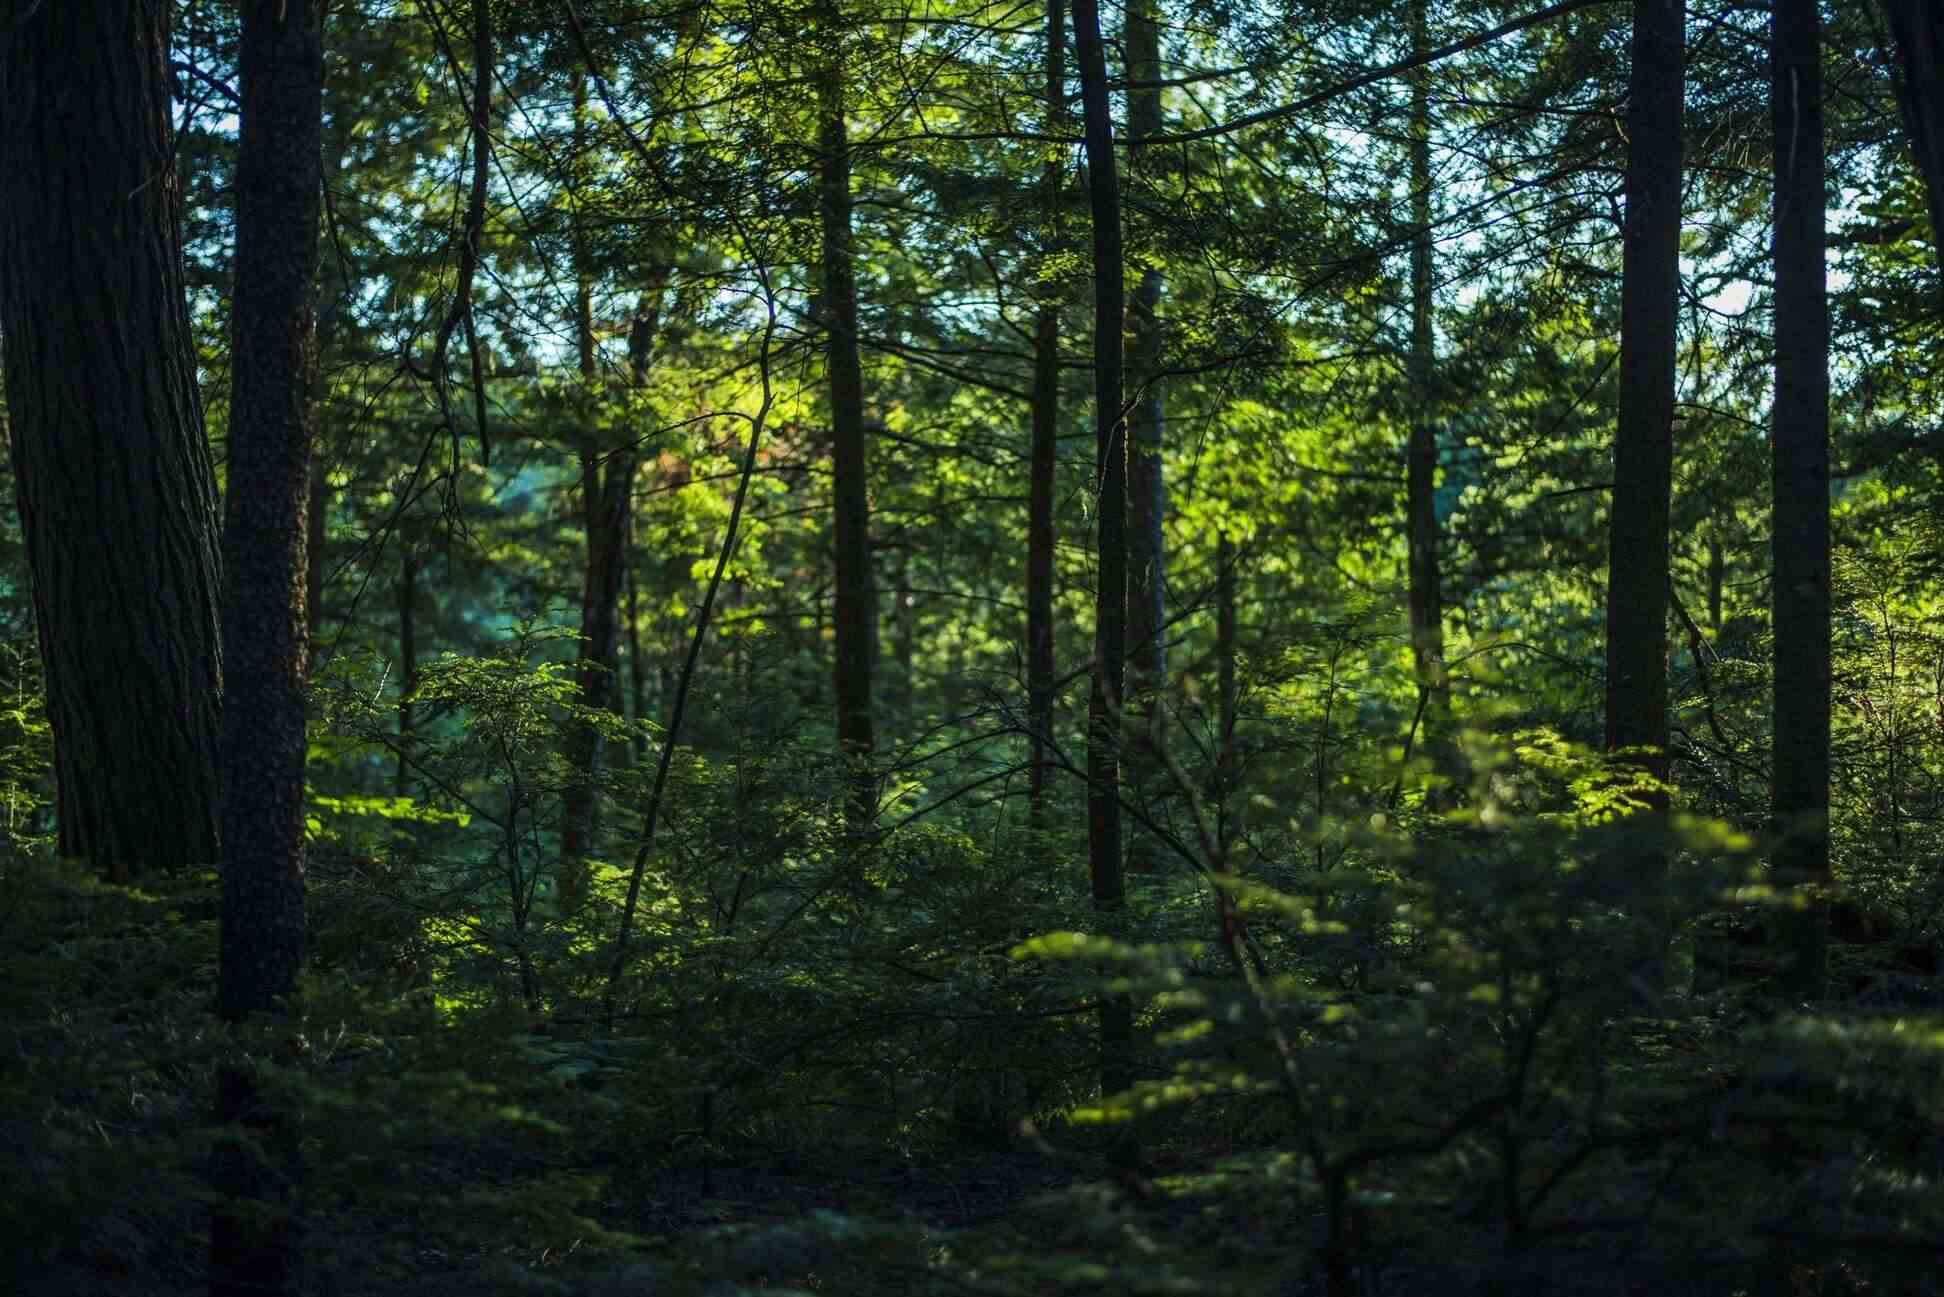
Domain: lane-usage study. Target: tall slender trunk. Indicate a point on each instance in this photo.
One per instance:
(113, 484)
(637, 672)
(607, 496)
(1917, 33)
(1636, 621)
(1421, 455)
(1801, 573)
(856, 597)
(1044, 455)
(1110, 467)
(265, 632)
(606, 500)
(1717, 577)
(408, 673)
(331, 312)
(1146, 491)
(1225, 759)
(904, 621)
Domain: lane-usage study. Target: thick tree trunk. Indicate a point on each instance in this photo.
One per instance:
(265, 628)
(1421, 455)
(117, 503)
(1917, 33)
(1801, 573)
(1146, 491)
(1110, 467)
(1044, 455)
(1636, 621)
(856, 596)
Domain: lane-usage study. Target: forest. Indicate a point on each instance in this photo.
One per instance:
(972, 648)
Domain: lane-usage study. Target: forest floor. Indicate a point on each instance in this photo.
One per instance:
(516, 1188)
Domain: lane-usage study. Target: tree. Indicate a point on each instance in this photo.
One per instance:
(117, 502)
(1800, 482)
(1147, 557)
(1421, 453)
(1917, 33)
(1043, 457)
(856, 595)
(1107, 695)
(1643, 442)
(266, 632)
(607, 480)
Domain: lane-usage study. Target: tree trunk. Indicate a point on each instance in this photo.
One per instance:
(1917, 33)
(1717, 576)
(117, 503)
(1801, 486)
(637, 672)
(856, 597)
(1044, 455)
(904, 622)
(265, 629)
(607, 495)
(1146, 491)
(1421, 455)
(1110, 468)
(1636, 621)
(1225, 665)
(408, 570)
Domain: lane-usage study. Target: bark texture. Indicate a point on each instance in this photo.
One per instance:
(856, 593)
(1800, 479)
(266, 628)
(1110, 466)
(117, 502)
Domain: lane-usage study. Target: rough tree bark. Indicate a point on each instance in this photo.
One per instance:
(1636, 613)
(265, 628)
(1110, 467)
(856, 594)
(1044, 455)
(1800, 479)
(116, 499)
